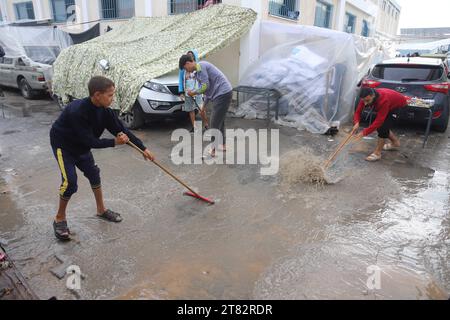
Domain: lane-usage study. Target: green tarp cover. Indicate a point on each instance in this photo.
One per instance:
(146, 48)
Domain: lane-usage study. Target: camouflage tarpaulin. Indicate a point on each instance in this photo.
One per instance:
(146, 48)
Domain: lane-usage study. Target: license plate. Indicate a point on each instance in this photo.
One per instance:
(421, 103)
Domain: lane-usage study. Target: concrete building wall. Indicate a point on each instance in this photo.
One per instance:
(382, 15)
(388, 18)
(235, 59)
(361, 9)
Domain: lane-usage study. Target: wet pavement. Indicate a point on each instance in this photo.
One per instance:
(261, 240)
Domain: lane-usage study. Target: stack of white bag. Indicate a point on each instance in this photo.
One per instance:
(316, 71)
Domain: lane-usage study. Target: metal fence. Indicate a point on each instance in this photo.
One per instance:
(117, 9)
(284, 8)
(185, 6)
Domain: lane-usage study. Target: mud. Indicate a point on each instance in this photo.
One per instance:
(258, 241)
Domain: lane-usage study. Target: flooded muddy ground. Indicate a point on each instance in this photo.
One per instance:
(382, 232)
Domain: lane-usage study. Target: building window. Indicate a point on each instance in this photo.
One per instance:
(117, 9)
(185, 6)
(61, 10)
(284, 8)
(323, 15)
(350, 22)
(24, 10)
(365, 29)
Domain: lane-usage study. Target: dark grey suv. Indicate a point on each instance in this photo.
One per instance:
(424, 78)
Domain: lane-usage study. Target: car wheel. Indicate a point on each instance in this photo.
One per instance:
(25, 89)
(442, 124)
(133, 119)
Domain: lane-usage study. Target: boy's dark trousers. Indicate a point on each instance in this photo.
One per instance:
(68, 163)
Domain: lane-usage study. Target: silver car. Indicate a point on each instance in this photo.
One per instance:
(158, 98)
(24, 74)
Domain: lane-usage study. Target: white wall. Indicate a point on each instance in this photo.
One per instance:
(227, 60)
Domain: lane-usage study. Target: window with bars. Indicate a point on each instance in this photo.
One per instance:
(323, 15)
(24, 10)
(62, 9)
(284, 8)
(185, 6)
(350, 23)
(365, 29)
(117, 9)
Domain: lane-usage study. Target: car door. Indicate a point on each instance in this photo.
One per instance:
(6, 71)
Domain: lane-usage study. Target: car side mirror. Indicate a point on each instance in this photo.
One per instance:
(448, 75)
(2, 52)
(104, 64)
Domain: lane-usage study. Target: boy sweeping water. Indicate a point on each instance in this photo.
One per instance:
(74, 134)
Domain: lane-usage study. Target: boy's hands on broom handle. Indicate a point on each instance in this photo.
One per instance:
(146, 153)
(121, 138)
(356, 137)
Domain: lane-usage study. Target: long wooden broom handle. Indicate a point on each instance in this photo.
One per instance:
(131, 144)
(339, 148)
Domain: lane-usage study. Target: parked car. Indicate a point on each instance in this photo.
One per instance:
(418, 77)
(158, 98)
(24, 74)
(441, 56)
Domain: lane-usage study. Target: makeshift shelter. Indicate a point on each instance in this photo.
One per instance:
(146, 48)
(315, 69)
(440, 46)
(40, 44)
(87, 35)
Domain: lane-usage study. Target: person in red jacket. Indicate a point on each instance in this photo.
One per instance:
(386, 103)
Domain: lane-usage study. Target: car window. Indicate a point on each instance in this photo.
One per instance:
(408, 73)
(6, 60)
(20, 62)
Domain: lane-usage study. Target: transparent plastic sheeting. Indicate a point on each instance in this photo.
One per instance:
(40, 45)
(315, 69)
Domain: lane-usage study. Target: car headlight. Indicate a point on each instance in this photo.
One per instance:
(156, 87)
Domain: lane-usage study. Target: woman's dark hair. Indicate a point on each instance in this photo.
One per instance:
(184, 59)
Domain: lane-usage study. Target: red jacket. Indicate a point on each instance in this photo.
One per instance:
(387, 101)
